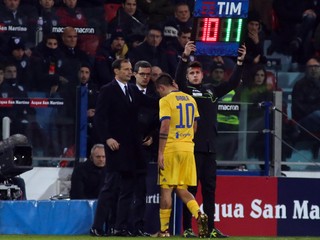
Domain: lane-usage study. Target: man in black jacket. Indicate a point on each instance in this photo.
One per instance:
(189, 76)
(116, 121)
(87, 178)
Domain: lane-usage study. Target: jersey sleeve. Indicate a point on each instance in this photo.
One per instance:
(165, 111)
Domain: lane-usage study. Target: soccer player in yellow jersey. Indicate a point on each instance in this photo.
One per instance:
(177, 170)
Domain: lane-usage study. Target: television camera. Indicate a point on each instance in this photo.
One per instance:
(15, 159)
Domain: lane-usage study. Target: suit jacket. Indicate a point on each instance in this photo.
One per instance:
(117, 118)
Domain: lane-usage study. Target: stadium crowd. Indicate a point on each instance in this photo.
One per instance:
(48, 41)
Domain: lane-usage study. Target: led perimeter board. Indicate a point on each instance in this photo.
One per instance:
(218, 26)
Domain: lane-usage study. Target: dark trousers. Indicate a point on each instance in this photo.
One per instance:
(115, 196)
(139, 203)
(206, 174)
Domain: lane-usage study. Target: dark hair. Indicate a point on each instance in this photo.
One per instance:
(217, 65)
(253, 16)
(195, 64)
(10, 64)
(155, 27)
(117, 63)
(254, 71)
(86, 66)
(1, 67)
(182, 3)
(124, 1)
(164, 79)
(51, 36)
(184, 30)
(141, 64)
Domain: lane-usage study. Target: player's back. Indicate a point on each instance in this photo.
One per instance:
(182, 111)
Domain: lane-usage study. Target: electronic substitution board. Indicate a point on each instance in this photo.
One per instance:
(218, 26)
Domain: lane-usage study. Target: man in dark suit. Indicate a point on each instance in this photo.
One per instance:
(148, 124)
(116, 121)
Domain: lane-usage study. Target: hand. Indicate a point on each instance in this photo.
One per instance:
(160, 161)
(113, 144)
(53, 89)
(63, 80)
(28, 52)
(254, 36)
(256, 59)
(190, 47)
(147, 141)
(242, 52)
(310, 13)
(218, 59)
(91, 112)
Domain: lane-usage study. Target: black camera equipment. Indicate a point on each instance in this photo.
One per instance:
(15, 159)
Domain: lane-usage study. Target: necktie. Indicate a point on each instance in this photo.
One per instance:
(143, 91)
(127, 93)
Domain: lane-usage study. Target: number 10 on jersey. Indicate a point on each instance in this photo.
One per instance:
(186, 112)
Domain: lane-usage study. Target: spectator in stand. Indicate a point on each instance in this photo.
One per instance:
(47, 11)
(3, 87)
(92, 90)
(21, 18)
(155, 73)
(94, 10)
(228, 121)
(176, 46)
(254, 41)
(73, 55)
(110, 50)
(216, 74)
(131, 21)
(18, 56)
(152, 50)
(182, 19)
(297, 20)
(157, 11)
(264, 8)
(74, 58)
(87, 178)
(72, 15)
(255, 92)
(47, 62)
(306, 97)
(19, 114)
(189, 2)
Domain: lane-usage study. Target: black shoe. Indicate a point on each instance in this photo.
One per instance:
(122, 233)
(111, 231)
(96, 233)
(141, 233)
(217, 234)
